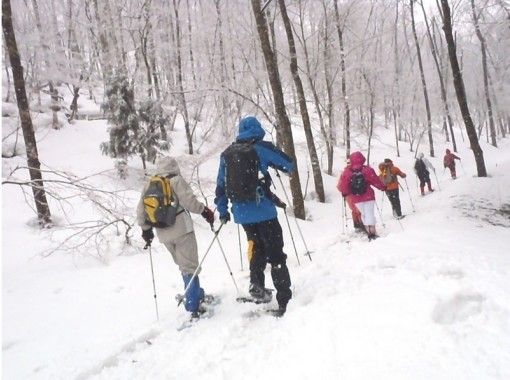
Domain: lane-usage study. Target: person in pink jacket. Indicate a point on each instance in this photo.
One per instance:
(356, 181)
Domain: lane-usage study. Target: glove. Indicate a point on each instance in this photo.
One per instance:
(148, 235)
(208, 215)
(225, 218)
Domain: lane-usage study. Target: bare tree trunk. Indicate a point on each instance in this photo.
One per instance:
(43, 210)
(55, 106)
(311, 82)
(347, 126)
(442, 86)
(223, 71)
(423, 82)
(329, 92)
(279, 104)
(190, 42)
(396, 84)
(460, 90)
(6, 66)
(316, 170)
(485, 75)
(182, 96)
(154, 68)
(105, 56)
(371, 114)
(443, 67)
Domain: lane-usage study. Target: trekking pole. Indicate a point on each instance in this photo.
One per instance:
(380, 214)
(462, 166)
(382, 201)
(343, 217)
(400, 222)
(292, 236)
(148, 245)
(228, 266)
(240, 251)
(409, 193)
(200, 264)
(437, 181)
(308, 252)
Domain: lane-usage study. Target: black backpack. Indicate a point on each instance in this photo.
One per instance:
(241, 172)
(358, 183)
(420, 167)
(160, 204)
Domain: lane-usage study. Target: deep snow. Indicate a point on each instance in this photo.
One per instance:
(428, 300)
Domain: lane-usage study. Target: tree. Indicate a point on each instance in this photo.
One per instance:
(180, 79)
(442, 86)
(460, 91)
(34, 166)
(127, 135)
(423, 82)
(483, 48)
(347, 110)
(317, 175)
(279, 105)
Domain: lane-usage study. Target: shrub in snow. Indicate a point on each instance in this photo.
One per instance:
(132, 131)
(153, 134)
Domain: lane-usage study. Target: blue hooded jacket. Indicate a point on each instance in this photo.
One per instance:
(261, 209)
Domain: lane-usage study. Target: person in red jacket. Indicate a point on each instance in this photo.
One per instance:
(389, 174)
(357, 181)
(449, 162)
(356, 214)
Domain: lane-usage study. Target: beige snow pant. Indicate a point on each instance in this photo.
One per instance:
(184, 252)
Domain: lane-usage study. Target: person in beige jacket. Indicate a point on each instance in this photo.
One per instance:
(179, 238)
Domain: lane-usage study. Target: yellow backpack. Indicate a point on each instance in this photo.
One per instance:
(386, 175)
(160, 204)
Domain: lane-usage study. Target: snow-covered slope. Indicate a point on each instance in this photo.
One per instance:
(428, 300)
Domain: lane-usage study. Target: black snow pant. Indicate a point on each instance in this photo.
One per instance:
(393, 196)
(265, 245)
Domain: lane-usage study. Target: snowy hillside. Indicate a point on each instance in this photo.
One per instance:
(428, 300)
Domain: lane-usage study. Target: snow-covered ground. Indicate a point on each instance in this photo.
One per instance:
(428, 300)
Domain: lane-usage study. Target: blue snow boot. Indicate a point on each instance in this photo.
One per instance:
(195, 293)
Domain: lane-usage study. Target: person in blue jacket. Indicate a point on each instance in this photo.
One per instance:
(244, 180)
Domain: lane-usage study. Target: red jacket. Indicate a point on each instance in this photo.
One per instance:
(344, 183)
(449, 159)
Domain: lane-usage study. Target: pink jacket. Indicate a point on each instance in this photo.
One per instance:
(344, 183)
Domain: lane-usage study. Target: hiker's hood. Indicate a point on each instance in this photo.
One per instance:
(357, 160)
(167, 166)
(250, 129)
(421, 155)
(448, 151)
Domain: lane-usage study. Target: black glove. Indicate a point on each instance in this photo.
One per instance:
(225, 218)
(208, 215)
(278, 202)
(148, 235)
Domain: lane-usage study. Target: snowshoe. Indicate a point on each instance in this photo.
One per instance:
(257, 295)
(372, 237)
(277, 313)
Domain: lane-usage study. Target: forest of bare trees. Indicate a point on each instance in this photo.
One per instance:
(340, 69)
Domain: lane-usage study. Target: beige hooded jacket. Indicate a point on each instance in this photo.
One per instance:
(183, 224)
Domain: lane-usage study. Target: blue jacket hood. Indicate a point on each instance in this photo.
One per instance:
(250, 129)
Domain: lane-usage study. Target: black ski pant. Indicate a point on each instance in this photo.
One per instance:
(393, 196)
(265, 245)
